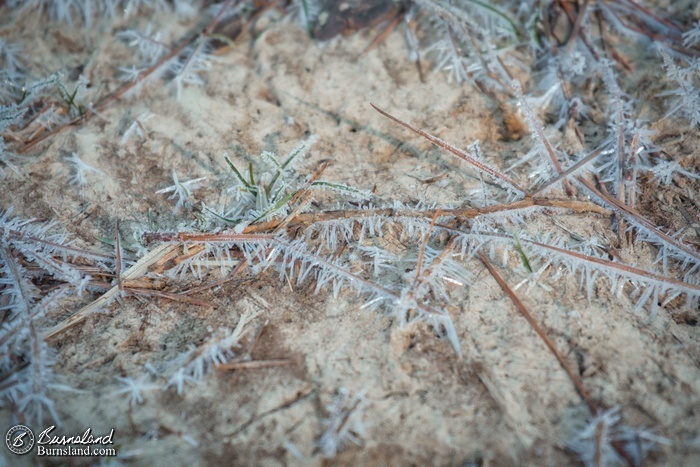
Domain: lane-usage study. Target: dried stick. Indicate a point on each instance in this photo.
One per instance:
(261, 231)
(137, 270)
(636, 216)
(480, 166)
(252, 364)
(540, 332)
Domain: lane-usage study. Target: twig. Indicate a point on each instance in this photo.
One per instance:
(635, 216)
(170, 296)
(252, 364)
(137, 270)
(540, 332)
(260, 231)
(577, 26)
(457, 152)
(118, 256)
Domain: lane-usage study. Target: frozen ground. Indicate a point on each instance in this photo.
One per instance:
(506, 401)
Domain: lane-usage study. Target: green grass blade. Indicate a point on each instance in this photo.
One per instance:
(249, 187)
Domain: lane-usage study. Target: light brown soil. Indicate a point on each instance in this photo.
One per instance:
(505, 402)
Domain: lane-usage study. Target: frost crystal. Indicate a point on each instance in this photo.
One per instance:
(344, 423)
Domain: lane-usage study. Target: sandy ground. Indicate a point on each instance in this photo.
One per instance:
(505, 402)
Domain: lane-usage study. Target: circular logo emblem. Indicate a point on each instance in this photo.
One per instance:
(19, 439)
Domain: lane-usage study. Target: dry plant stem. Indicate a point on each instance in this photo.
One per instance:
(626, 210)
(578, 383)
(316, 175)
(550, 150)
(599, 444)
(630, 270)
(643, 30)
(33, 332)
(581, 32)
(191, 252)
(118, 256)
(424, 243)
(137, 270)
(252, 364)
(625, 269)
(653, 15)
(170, 296)
(577, 26)
(484, 63)
(620, 169)
(77, 251)
(609, 50)
(213, 237)
(464, 213)
(210, 27)
(255, 232)
(384, 34)
(568, 172)
(16, 274)
(457, 152)
(480, 86)
(301, 205)
(540, 332)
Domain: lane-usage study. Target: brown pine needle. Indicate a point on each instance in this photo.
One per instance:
(118, 255)
(638, 217)
(455, 151)
(424, 243)
(540, 332)
(252, 364)
(135, 271)
(316, 175)
(170, 296)
(383, 35)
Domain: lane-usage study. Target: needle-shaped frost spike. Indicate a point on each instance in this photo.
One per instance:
(193, 364)
(133, 388)
(603, 440)
(80, 169)
(545, 148)
(136, 128)
(181, 190)
(344, 423)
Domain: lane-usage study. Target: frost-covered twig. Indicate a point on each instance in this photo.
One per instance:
(133, 388)
(136, 128)
(193, 364)
(499, 177)
(181, 190)
(29, 386)
(344, 424)
(80, 169)
(603, 441)
(687, 94)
